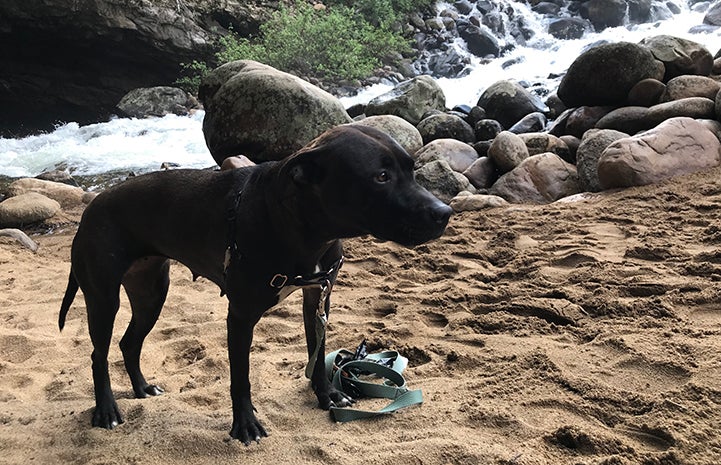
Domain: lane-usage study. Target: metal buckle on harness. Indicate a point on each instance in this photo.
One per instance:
(278, 281)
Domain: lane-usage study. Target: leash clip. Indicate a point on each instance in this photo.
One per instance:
(278, 281)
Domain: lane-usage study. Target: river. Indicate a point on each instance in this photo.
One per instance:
(139, 145)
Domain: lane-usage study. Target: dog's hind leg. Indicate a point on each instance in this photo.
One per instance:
(146, 283)
(102, 306)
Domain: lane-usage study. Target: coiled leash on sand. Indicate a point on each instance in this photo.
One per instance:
(351, 373)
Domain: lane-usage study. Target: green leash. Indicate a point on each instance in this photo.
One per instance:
(346, 377)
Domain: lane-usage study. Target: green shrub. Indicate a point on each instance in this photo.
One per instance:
(347, 40)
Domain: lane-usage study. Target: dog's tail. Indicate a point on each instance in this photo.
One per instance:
(67, 300)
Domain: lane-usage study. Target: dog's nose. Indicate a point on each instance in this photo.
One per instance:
(441, 213)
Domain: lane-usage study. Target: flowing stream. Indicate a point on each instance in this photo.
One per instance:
(138, 145)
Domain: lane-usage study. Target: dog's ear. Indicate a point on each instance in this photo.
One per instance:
(305, 168)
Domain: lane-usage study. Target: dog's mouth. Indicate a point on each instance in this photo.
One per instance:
(412, 234)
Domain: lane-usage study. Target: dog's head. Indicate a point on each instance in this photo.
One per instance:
(362, 182)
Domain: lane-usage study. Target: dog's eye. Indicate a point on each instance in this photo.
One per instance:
(382, 177)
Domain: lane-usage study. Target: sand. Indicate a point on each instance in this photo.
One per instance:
(581, 332)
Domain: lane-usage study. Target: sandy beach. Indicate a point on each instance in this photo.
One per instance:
(581, 332)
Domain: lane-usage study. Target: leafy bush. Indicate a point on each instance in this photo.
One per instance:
(347, 40)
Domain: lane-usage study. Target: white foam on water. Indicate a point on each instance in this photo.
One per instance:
(120, 144)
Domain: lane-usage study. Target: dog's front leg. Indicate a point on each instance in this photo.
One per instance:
(246, 426)
(328, 396)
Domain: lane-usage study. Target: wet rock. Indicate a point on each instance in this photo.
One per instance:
(409, 100)
(487, 129)
(532, 122)
(604, 74)
(584, 118)
(445, 126)
(481, 42)
(156, 101)
(507, 102)
(568, 28)
(604, 13)
(679, 56)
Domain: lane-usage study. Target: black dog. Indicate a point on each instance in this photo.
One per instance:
(258, 233)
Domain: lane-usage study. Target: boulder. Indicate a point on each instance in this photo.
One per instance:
(567, 28)
(401, 130)
(507, 151)
(532, 122)
(67, 196)
(507, 102)
(646, 93)
(542, 142)
(27, 209)
(584, 118)
(445, 126)
(475, 202)
(539, 179)
(441, 180)
(481, 173)
(679, 56)
(480, 40)
(592, 145)
(410, 100)
(639, 11)
(604, 13)
(634, 119)
(604, 74)
(262, 113)
(690, 85)
(487, 129)
(459, 155)
(713, 15)
(155, 101)
(675, 147)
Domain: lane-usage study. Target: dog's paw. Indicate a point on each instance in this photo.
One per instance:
(335, 398)
(107, 416)
(248, 429)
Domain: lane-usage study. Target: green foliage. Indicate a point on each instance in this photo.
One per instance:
(347, 40)
(192, 75)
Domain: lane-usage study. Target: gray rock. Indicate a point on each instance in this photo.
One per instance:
(441, 180)
(156, 101)
(532, 122)
(459, 155)
(542, 142)
(592, 145)
(480, 41)
(507, 102)
(690, 85)
(410, 100)
(476, 202)
(584, 118)
(445, 126)
(604, 13)
(507, 151)
(401, 130)
(646, 93)
(265, 114)
(481, 173)
(27, 209)
(567, 28)
(539, 179)
(675, 147)
(604, 74)
(487, 129)
(679, 56)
